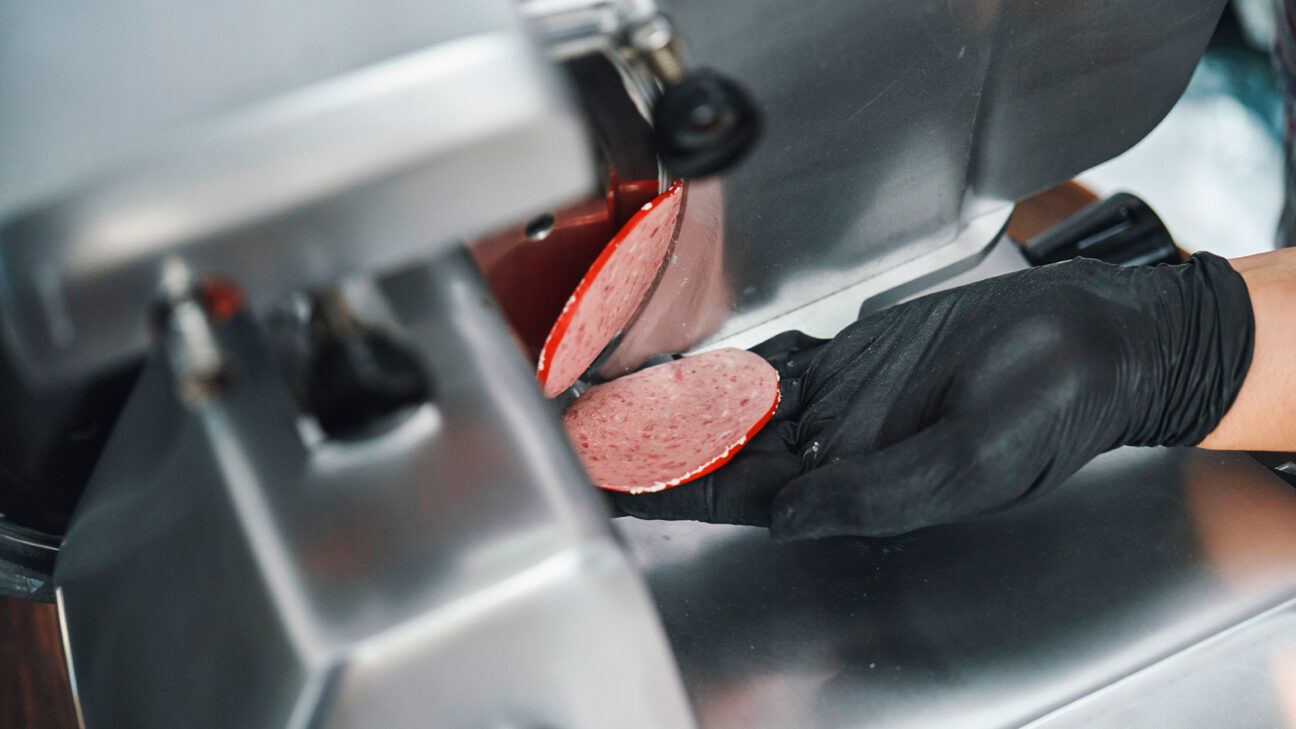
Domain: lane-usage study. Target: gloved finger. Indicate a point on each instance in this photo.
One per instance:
(790, 353)
(892, 491)
(966, 465)
(740, 492)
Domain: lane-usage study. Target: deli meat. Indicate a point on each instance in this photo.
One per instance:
(672, 423)
(610, 293)
(665, 425)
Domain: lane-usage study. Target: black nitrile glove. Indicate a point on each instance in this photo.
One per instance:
(964, 402)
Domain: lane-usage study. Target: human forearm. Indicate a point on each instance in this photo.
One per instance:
(1263, 417)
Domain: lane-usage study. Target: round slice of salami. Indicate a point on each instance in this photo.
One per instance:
(672, 423)
(610, 293)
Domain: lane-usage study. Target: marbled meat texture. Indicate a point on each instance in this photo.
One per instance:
(610, 293)
(672, 423)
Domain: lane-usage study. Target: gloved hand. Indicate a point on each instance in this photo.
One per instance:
(962, 403)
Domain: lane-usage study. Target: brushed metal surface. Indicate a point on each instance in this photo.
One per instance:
(890, 125)
(225, 570)
(279, 146)
(1115, 599)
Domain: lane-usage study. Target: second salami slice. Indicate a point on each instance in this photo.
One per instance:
(672, 423)
(610, 293)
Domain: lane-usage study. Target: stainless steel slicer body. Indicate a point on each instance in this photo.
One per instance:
(428, 168)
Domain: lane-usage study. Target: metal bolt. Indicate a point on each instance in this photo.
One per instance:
(196, 361)
(655, 40)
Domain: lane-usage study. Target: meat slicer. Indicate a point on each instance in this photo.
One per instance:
(270, 276)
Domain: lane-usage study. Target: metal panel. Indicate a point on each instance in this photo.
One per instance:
(1245, 679)
(226, 570)
(890, 125)
(279, 146)
(1165, 566)
(1075, 84)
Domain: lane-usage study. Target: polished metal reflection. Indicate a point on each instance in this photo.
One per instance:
(226, 570)
(1148, 573)
(964, 256)
(889, 126)
(279, 147)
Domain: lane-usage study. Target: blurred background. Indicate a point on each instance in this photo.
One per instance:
(1213, 169)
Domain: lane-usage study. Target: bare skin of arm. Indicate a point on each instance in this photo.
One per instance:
(1263, 418)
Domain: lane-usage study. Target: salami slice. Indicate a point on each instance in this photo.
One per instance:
(672, 423)
(610, 293)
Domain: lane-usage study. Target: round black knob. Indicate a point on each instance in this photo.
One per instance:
(704, 125)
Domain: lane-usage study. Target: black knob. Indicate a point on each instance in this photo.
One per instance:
(360, 378)
(704, 125)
